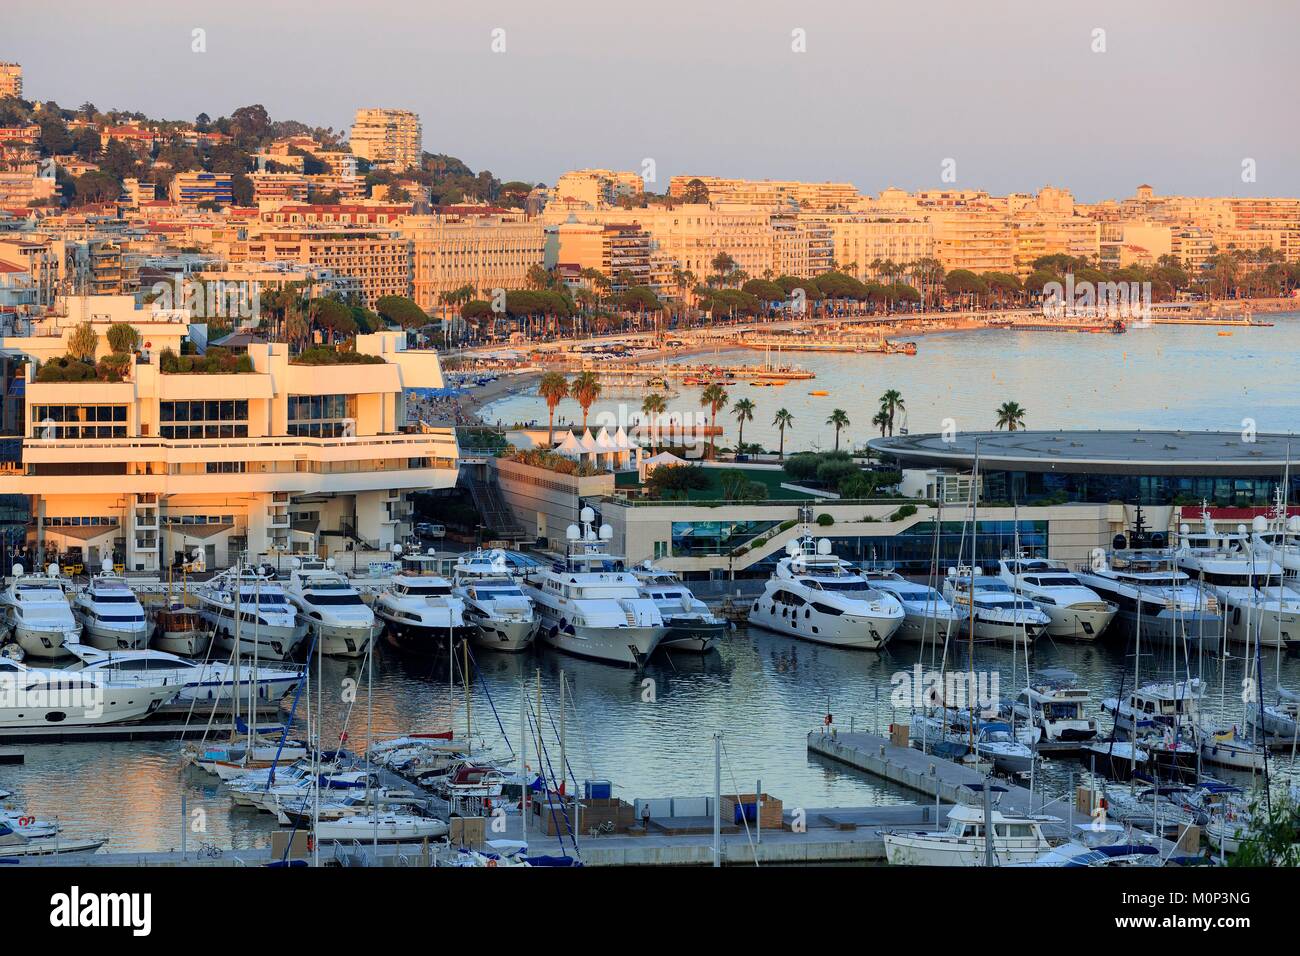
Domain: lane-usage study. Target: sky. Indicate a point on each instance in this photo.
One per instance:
(1017, 94)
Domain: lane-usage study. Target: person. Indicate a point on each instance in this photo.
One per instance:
(645, 817)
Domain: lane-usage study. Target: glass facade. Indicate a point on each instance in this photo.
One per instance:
(78, 421)
(700, 538)
(912, 551)
(1024, 487)
(208, 419)
(321, 416)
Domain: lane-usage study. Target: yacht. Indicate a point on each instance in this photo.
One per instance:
(1247, 584)
(1171, 705)
(995, 611)
(819, 597)
(36, 611)
(1139, 576)
(589, 606)
(927, 615)
(111, 615)
(43, 697)
(494, 602)
(1015, 839)
(244, 606)
(1054, 704)
(181, 629)
(1276, 537)
(1076, 613)
(331, 608)
(419, 610)
(691, 625)
(201, 684)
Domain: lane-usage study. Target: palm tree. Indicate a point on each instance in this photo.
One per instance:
(586, 389)
(783, 421)
(715, 397)
(890, 402)
(744, 412)
(1011, 416)
(840, 419)
(652, 406)
(553, 387)
(881, 421)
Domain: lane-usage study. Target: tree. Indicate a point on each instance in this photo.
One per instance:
(695, 193)
(83, 342)
(715, 397)
(400, 310)
(840, 419)
(881, 421)
(891, 402)
(1011, 416)
(744, 412)
(122, 337)
(652, 406)
(722, 264)
(586, 389)
(783, 421)
(553, 387)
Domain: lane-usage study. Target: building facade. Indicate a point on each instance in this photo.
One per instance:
(387, 137)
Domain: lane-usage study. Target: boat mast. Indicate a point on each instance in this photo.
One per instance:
(970, 593)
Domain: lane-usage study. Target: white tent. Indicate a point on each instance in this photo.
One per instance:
(648, 465)
(570, 447)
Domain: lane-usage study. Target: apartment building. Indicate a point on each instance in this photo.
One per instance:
(11, 80)
(265, 463)
(24, 187)
(772, 193)
(599, 188)
(270, 188)
(486, 252)
(858, 239)
(975, 239)
(801, 246)
(613, 249)
(387, 137)
(1036, 233)
(192, 188)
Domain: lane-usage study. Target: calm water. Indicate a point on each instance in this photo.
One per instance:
(1168, 376)
(763, 691)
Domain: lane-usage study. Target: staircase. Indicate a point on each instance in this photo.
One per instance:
(488, 501)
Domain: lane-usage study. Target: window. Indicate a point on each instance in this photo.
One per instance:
(225, 418)
(78, 421)
(321, 416)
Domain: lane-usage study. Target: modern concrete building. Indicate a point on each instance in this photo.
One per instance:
(11, 80)
(192, 188)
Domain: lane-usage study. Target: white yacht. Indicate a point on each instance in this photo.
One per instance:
(1015, 839)
(1277, 538)
(494, 602)
(37, 613)
(589, 606)
(995, 611)
(819, 597)
(1053, 703)
(1156, 707)
(1146, 586)
(331, 608)
(201, 684)
(1247, 584)
(927, 615)
(691, 625)
(46, 697)
(1076, 612)
(244, 605)
(111, 616)
(420, 613)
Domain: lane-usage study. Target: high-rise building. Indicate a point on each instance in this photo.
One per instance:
(486, 252)
(387, 138)
(11, 80)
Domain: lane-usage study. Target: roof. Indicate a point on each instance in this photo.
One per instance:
(1098, 452)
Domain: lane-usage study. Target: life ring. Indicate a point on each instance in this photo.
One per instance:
(491, 862)
(26, 821)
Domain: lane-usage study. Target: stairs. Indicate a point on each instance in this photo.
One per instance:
(488, 501)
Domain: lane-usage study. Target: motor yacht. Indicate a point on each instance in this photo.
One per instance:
(691, 625)
(495, 604)
(246, 606)
(331, 608)
(420, 612)
(819, 597)
(111, 616)
(1054, 703)
(589, 605)
(1015, 839)
(990, 606)
(179, 628)
(927, 615)
(1076, 613)
(45, 697)
(37, 614)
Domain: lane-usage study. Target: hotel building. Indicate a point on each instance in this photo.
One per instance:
(284, 458)
(484, 251)
(772, 193)
(387, 138)
(613, 249)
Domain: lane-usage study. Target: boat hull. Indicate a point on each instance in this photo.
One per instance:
(45, 644)
(692, 635)
(423, 640)
(268, 642)
(185, 643)
(495, 634)
(343, 640)
(615, 645)
(918, 850)
(1077, 623)
(115, 639)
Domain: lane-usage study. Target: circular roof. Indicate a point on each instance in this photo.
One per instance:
(1111, 452)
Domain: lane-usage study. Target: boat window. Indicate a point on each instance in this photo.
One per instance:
(333, 600)
(101, 598)
(1019, 830)
(849, 585)
(427, 590)
(826, 609)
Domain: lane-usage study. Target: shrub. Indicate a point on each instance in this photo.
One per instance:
(541, 458)
(677, 479)
(67, 368)
(323, 355)
(216, 361)
(122, 337)
(906, 511)
(825, 520)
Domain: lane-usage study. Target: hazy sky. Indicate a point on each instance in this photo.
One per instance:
(884, 93)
